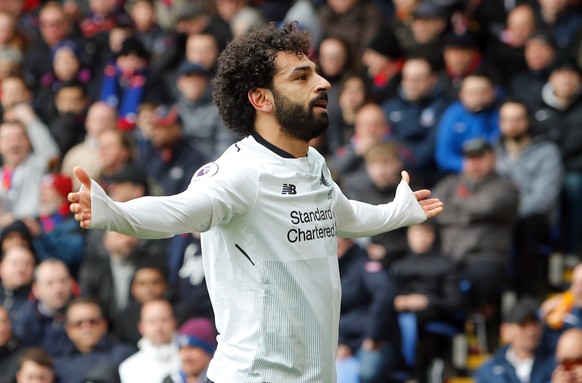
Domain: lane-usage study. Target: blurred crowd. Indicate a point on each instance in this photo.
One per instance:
(480, 101)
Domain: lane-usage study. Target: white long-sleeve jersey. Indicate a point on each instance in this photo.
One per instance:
(269, 247)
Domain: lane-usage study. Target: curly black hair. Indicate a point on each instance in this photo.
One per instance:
(248, 63)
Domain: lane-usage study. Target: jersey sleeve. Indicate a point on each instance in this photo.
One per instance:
(213, 198)
(359, 219)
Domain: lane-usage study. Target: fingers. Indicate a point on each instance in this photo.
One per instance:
(432, 207)
(422, 194)
(83, 177)
(405, 176)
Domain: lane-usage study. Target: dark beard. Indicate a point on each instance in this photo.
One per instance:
(297, 121)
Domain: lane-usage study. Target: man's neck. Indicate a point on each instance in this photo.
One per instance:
(273, 134)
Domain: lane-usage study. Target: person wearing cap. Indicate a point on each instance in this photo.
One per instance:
(476, 228)
(413, 115)
(167, 157)
(475, 114)
(462, 56)
(197, 342)
(559, 116)
(201, 123)
(429, 23)
(54, 231)
(540, 53)
(569, 357)
(534, 165)
(269, 213)
(520, 360)
(128, 81)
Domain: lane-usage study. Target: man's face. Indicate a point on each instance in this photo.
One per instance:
(32, 372)
(513, 121)
(111, 150)
(202, 49)
(384, 172)
(85, 326)
(565, 82)
(54, 26)
(70, 100)
(426, 30)
(53, 285)
(100, 117)
(148, 284)
(14, 144)
(299, 97)
(193, 86)
(375, 62)
(65, 64)
(50, 199)
(157, 322)
(332, 56)
(417, 79)
(14, 92)
(525, 337)
(194, 360)
(458, 60)
(17, 267)
(479, 167)
(477, 93)
(538, 54)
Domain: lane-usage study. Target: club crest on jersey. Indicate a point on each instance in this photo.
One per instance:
(206, 171)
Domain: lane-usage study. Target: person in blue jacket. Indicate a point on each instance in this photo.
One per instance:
(520, 360)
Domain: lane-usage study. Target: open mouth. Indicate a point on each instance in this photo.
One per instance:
(320, 104)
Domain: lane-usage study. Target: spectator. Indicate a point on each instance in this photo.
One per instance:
(15, 234)
(149, 283)
(477, 225)
(115, 152)
(534, 165)
(54, 232)
(100, 116)
(169, 159)
(414, 114)
(569, 357)
(563, 22)
(158, 353)
(187, 280)
(197, 341)
(357, 21)
(103, 15)
(427, 289)
(428, 26)
(382, 59)
(474, 115)
(10, 348)
(520, 360)
(540, 53)
(35, 366)
(201, 123)
(16, 273)
(93, 350)
(14, 91)
(41, 321)
(203, 49)
(127, 82)
(368, 335)
(67, 123)
(507, 46)
(377, 184)
(462, 57)
(370, 128)
(559, 115)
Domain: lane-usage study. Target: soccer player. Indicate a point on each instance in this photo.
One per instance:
(269, 213)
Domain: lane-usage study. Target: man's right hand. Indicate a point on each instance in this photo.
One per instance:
(81, 200)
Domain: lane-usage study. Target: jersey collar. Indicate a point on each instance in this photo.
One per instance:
(271, 147)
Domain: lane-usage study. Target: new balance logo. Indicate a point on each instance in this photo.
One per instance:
(289, 189)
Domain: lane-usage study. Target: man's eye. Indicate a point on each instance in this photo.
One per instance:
(302, 77)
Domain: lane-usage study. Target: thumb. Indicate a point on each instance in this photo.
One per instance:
(405, 176)
(83, 177)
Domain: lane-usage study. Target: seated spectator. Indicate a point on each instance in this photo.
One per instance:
(187, 281)
(41, 321)
(100, 116)
(540, 53)
(93, 350)
(569, 357)
(35, 366)
(149, 283)
(55, 232)
(16, 272)
(197, 341)
(474, 115)
(10, 348)
(26, 148)
(167, 158)
(202, 125)
(368, 336)
(370, 128)
(427, 289)
(126, 82)
(203, 49)
(377, 184)
(158, 353)
(519, 360)
(477, 225)
(429, 23)
(534, 165)
(414, 114)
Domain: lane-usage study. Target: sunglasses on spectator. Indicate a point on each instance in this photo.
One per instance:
(570, 363)
(91, 321)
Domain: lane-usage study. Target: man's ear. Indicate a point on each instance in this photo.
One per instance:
(261, 99)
